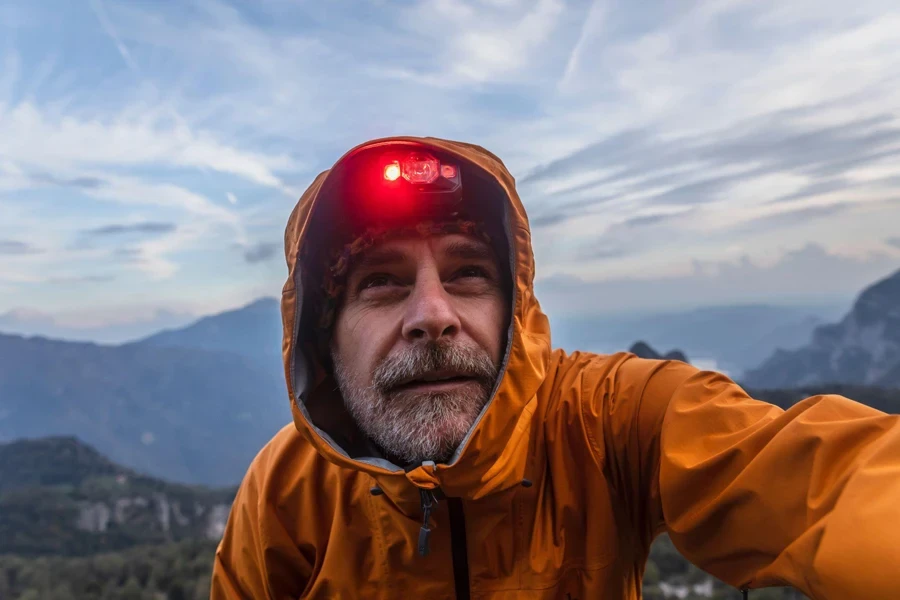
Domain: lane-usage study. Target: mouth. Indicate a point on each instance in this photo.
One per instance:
(435, 381)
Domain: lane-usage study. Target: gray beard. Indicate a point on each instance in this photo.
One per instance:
(417, 426)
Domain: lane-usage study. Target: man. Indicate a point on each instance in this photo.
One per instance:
(441, 449)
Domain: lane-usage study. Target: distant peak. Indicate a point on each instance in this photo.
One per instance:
(265, 301)
(644, 350)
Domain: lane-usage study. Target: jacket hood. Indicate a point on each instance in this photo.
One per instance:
(494, 455)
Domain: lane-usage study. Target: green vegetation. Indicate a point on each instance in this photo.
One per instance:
(176, 571)
(668, 568)
(59, 496)
(181, 571)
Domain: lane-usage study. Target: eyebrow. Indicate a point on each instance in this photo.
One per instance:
(467, 250)
(384, 257)
(380, 257)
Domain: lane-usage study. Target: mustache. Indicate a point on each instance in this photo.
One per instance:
(416, 361)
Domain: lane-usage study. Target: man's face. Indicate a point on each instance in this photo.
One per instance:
(417, 342)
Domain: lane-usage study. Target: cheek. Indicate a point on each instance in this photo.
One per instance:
(358, 340)
(490, 320)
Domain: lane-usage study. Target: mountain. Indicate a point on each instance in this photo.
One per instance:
(60, 496)
(184, 414)
(643, 350)
(884, 399)
(53, 461)
(253, 331)
(29, 323)
(735, 338)
(862, 349)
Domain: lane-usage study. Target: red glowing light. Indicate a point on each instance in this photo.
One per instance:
(448, 171)
(392, 171)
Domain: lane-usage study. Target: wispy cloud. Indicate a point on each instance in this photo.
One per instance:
(40, 138)
(642, 138)
(87, 183)
(17, 247)
(146, 227)
(72, 279)
(260, 252)
(97, 7)
(810, 275)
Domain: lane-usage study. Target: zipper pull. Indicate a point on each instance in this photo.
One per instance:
(428, 502)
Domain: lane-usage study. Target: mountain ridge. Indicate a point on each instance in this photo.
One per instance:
(179, 413)
(253, 330)
(863, 348)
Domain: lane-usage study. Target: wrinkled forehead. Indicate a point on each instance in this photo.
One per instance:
(408, 249)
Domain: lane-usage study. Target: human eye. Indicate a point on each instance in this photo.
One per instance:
(471, 271)
(376, 280)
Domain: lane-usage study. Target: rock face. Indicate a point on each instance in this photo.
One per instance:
(863, 349)
(99, 517)
(60, 496)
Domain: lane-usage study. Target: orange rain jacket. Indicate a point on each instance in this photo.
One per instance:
(576, 464)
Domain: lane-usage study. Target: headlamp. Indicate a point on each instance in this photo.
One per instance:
(393, 185)
(416, 180)
(422, 170)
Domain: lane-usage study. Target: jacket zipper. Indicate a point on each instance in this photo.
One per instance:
(428, 501)
(458, 548)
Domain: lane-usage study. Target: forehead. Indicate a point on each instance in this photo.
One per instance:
(412, 248)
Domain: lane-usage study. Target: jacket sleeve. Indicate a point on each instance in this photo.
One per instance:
(256, 557)
(756, 495)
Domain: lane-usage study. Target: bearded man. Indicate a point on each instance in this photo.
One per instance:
(441, 448)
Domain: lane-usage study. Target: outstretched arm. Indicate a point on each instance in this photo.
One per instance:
(755, 495)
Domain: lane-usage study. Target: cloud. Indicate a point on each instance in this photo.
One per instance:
(808, 274)
(118, 229)
(632, 235)
(16, 247)
(603, 250)
(709, 166)
(39, 138)
(87, 183)
(895, 241)
(815, 189)
(97, 7)
(75, 279)
(790, 218)
(591, 26)
(100, 323)
(129, 191)
(260, 252)
(548, 219)
(710, 130)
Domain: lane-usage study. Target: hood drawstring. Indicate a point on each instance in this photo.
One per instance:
(428, 502)
(429, 499)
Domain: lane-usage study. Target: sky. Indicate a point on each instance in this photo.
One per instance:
(670, 154)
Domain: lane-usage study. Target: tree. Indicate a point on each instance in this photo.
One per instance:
(131, 590)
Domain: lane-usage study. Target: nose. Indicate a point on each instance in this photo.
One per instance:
(430, 314)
